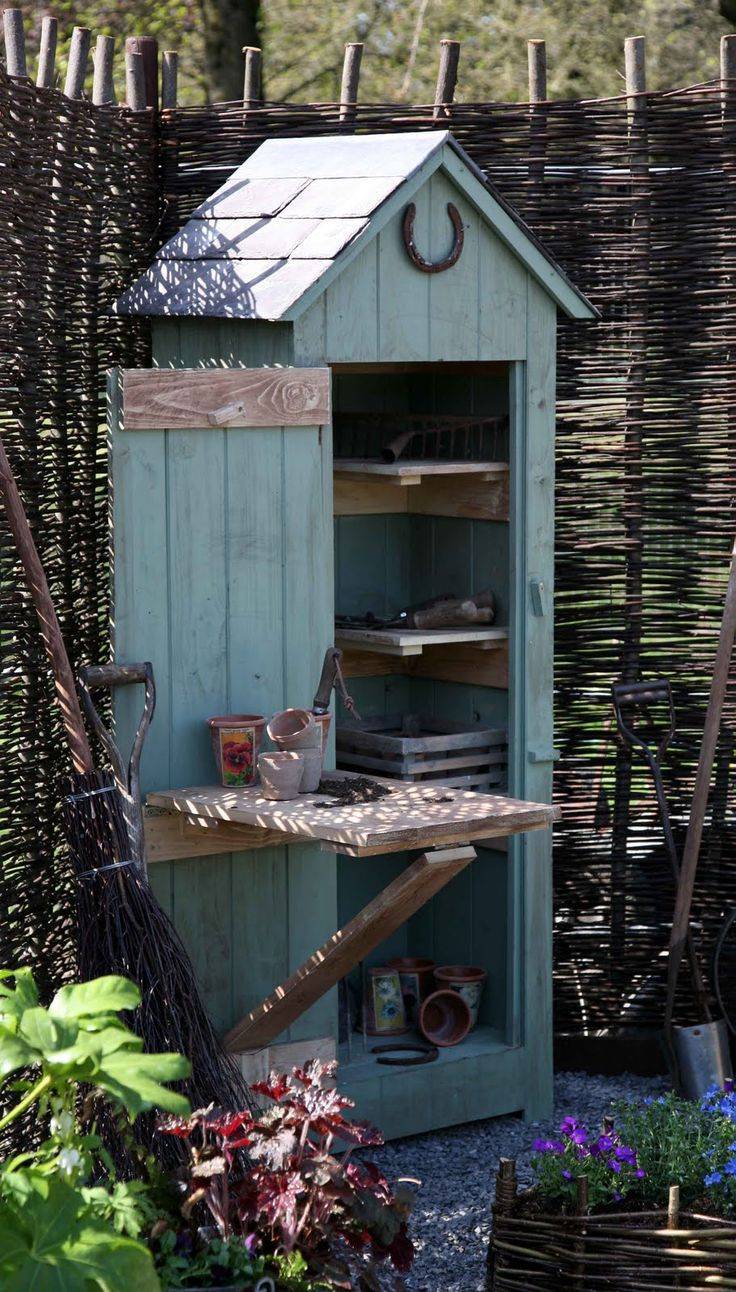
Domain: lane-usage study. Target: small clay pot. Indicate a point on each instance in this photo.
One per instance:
(468, 980)
(312, 769)
(416, 976)
(281, 774)
(295, 729)
(236, 741)
(444, 1018)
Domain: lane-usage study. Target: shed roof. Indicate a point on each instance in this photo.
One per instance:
(296, 212)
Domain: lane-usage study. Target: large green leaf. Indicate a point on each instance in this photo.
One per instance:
(51, 1243)
(22, 995)
(112, 1263)
(134, 1079)
(14, 1053)
(44, 1033)
(100, 996)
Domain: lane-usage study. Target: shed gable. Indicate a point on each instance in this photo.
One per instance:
(294, 216)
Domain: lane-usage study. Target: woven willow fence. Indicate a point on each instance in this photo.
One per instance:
(638, 202)
(639, 207)
(78, 208)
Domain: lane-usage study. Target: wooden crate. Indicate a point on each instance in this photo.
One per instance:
(418, 748)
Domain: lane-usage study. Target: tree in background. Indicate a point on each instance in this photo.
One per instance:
(303, 43)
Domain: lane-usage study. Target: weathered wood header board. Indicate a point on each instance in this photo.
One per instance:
(299, 303)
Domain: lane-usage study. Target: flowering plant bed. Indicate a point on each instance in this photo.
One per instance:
(647, 1203)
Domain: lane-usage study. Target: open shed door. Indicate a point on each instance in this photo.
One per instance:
(222, 537)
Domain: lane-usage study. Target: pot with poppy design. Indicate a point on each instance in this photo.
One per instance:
(383, 1003)
(468, 980)
(236, 741)
(444, 1018)
(417, 981)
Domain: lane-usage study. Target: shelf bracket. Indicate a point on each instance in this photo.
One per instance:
(392, 907)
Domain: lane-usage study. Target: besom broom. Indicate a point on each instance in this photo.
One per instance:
(121, 926)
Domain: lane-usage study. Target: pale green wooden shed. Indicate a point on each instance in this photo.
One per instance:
(320, 317)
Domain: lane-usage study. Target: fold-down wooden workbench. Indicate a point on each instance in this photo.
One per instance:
(441, 823)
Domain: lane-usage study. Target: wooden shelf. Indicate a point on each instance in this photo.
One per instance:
(414, 641)
(411, 817)
(478, 490)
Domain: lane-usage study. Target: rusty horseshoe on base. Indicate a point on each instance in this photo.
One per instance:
(426, 266)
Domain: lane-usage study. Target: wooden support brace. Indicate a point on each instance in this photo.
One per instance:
(393, 906)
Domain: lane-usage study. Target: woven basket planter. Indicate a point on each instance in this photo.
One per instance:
(646, 1251)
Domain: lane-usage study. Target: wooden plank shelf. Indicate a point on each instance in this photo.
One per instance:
(414, 641)
(413, 816)
(478, 490)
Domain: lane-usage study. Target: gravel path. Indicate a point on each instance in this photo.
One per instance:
(457, 1167)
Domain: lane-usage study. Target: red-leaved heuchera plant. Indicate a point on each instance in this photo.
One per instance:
(296, 1195)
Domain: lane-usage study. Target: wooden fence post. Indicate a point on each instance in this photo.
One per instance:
(252, 75)
(169, 78)
(446, 77)
(76, 68)
(350, 80)
(147, 48)
(103, 88)
(15, 43)
(135, 82)
(633, 482)
(537, 58)
(47, 53)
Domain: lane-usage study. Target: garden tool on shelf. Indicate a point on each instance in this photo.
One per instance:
(444, 611)
(122, 928)
(698, 1056)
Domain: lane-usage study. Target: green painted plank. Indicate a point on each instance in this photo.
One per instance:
(403, 291)
(351, 311)
(260, 952)
(453, 295)
(202, 912)
(312, 919)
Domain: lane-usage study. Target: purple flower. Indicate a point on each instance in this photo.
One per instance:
(625, 1154)
(569, 1124)
(714, 1177)
(605, 1143)
(567, 1175)
(728, 1085)
(639, 1174)
(617, 1197)
(251, 1243)
(615, 1165)
(548, 1146)
(730, 1167)
(579, 1135)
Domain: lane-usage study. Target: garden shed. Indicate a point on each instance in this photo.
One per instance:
(335, 297)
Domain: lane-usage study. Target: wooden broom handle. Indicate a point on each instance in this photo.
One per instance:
(703, 775)
(66, 690)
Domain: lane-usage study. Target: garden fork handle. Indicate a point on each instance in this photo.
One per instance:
(93, 677)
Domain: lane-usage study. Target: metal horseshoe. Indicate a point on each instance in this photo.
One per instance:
(426, 266)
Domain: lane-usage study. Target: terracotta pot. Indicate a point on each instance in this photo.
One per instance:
(383, 1005)
(468, 980)
(281, 774)
(444, 1018)
(416, 976)
(312, 769)
(295, 729)
(236, 741)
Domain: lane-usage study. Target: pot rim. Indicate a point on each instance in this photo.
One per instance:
(460, 973)
(459, 1006)
(237, 720)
